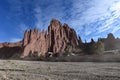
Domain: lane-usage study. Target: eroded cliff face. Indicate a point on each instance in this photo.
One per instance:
(60, 36)
(35, 41)
(55, 39)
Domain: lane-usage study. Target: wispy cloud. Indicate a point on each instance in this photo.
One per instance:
(22, 27)
(88, 14)
(90, 18)
(15, 39)
(38, 15)
(54, 9)
(117, 28)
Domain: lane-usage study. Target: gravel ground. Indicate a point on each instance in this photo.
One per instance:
(37, 70)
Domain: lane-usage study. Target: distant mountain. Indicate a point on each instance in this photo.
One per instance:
(111, 43)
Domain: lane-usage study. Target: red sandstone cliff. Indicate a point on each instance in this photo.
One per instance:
(55, 39)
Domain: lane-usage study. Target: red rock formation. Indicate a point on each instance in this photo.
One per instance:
(55, 40)
(61, 36)
(35, 41)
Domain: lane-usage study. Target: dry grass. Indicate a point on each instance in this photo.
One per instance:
(36, 70)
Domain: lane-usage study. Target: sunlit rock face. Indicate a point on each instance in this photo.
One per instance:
(60, 36)
(35, 41)
(55, 39)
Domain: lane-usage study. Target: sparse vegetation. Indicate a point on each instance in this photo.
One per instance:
(97, 48)
(72, 50)
(58, 71)
(93, 47)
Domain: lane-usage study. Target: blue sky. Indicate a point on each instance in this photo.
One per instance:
(89, 18)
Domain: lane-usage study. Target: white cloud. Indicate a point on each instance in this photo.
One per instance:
(106, 25)
(116, 29)
(21, 28)
(115, 10)
(38, 15)
(88, 33)
(92, 12)
(15, 39)
(84, 15)
(46, 13)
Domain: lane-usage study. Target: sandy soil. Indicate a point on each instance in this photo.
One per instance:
(36, 70)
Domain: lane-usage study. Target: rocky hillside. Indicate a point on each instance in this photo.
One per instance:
(111, 43)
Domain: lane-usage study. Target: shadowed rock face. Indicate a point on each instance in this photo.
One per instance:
(8, 50)
(55, 39)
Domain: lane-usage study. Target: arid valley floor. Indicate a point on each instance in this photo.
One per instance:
(37, 70)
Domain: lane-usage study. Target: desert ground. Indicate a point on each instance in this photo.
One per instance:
(38, 70)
